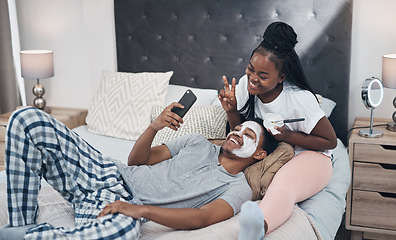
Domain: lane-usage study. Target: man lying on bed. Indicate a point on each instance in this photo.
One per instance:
(187, 183)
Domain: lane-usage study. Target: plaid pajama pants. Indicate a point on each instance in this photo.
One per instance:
(37, 145)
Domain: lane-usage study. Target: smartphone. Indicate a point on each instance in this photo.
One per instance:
(187, 100)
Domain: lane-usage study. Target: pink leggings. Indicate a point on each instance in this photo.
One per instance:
(302, 177)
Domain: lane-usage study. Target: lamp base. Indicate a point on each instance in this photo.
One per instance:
(45, 109)
(39, 102)
(371, 133)
(391, 126)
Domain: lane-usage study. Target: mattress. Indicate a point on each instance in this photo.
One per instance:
(325, 209)
(322, 212)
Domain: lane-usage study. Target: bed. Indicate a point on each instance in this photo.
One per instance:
(191, 44)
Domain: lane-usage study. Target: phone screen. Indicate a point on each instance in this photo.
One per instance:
(187, 100)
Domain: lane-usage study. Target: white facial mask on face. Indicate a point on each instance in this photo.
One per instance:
(249, 145)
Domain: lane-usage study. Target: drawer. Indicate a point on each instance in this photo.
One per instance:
(374, 177)
(374, 153)
(373, 209)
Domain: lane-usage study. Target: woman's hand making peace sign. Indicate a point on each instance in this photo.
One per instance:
(227, 96)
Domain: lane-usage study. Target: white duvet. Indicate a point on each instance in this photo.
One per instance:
(319, 217)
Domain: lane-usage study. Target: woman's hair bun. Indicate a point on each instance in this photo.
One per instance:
(279, 36)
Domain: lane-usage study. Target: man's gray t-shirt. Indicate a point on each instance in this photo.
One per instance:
(190, 179)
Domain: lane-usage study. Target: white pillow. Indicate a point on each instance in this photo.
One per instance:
(209, 120)
(122, 106)
(326, 104)
(204, 96)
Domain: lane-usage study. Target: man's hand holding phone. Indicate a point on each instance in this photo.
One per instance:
(172, 116)
(187, 100)
(167, 118)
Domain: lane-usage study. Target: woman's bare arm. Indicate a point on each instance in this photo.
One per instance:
(229, 103)
(321, 138)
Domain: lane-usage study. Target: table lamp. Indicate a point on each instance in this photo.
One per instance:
(389, 81)
(36, 64)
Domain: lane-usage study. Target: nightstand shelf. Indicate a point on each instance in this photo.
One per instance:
(71, 117)
(371, 200)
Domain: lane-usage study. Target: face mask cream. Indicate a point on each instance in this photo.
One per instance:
(249, 145)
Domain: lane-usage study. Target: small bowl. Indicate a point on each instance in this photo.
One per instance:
(268, 118)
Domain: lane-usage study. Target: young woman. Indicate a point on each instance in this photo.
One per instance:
(275, 83)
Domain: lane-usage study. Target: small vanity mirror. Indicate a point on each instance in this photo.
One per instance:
(372, 95)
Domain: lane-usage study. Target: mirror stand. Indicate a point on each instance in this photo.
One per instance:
(370, 132)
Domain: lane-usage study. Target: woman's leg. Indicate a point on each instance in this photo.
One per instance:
(302, 177)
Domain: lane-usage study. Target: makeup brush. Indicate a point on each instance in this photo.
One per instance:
(288, 120)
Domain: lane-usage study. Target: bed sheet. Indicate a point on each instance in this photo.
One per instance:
(58, 212)
(325, 209)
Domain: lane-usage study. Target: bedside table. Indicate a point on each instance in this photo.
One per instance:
(71, 117)
(371, 199)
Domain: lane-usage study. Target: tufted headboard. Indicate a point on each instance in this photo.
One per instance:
(202, 40)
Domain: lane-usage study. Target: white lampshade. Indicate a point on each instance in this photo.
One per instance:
(389, 70)
(37, 64)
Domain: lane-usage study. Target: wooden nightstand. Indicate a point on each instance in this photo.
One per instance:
(371, 200)
(71, 117)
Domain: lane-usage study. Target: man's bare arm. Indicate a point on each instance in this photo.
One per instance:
(184, 218)
(142, 153)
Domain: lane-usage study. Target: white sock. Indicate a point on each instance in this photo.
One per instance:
(251, 222)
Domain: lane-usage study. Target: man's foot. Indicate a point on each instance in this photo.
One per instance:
(251, 222)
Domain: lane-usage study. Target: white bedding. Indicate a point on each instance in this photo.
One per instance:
(325, 208)
(319, 217)
(58, 212)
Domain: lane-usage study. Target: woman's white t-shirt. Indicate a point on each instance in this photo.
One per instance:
(292, 102)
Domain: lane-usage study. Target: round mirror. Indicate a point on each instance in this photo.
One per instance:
(372, 92)
(372, 95)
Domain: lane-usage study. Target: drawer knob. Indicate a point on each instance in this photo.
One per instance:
(387, 195)
(389, 147)
(388, 166)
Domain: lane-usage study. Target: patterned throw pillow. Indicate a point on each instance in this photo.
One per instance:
(122, 106)
(209, 120)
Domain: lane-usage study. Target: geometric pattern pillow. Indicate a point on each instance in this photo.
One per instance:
(208, 120)
(122, 106)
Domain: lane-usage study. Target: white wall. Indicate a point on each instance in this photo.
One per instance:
(373, 35)
(81, 34)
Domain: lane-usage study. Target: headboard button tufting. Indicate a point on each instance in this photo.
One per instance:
(204, 40)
